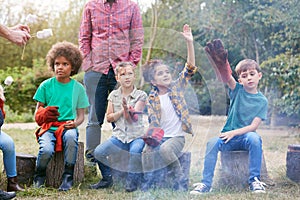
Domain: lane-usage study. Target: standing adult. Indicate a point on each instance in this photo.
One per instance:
(111, 31)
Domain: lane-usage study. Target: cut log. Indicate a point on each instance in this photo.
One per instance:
(55, 168)
(293, 162)
(234, 171)
(25, 168)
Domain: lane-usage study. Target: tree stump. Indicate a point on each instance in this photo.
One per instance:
(167, 178)
(25, 168)
(234, 171)
(293, 162)
(55, 168)
(164, 175)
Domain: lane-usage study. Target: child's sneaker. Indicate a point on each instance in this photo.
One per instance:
(200, 188)
(257, 187)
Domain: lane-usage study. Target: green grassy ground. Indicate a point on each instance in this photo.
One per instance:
(275, 143)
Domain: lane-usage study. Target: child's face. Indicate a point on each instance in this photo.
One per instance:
(126, 76)
(162, 77)
(250, 79)
(62, 69)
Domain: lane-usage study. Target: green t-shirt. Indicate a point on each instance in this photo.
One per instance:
(67, 96)
(244, 107)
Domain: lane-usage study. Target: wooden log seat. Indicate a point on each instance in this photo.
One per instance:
(234, 170)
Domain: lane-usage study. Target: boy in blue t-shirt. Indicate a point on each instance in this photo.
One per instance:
(248, 108)
(61, 102)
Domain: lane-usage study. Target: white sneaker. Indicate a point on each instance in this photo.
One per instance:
(200, 188)
(257, 186)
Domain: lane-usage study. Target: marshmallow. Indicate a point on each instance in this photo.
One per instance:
(31, 19)
(45, 33)
(8, 80)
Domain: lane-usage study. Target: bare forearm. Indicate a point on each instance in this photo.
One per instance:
(4, 31)
(80, 117)
(112, 117)
(190, 53)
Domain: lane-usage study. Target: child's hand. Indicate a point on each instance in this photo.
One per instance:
(187, 33)
(70, 125)
(227, 136)
(124, 104)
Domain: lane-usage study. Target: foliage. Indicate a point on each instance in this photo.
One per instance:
(26, 80)
(281, 79)
(263, 30)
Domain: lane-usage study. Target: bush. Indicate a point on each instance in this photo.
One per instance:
(20, 93)
(281, 84)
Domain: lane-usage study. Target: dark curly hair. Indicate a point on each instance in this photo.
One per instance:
(149, 69)
(67, 50)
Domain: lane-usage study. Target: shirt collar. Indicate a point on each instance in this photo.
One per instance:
(131, 94)
(105, 1)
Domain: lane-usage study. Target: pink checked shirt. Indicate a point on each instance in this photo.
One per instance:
(110, 34)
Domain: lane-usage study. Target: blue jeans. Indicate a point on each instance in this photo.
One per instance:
(9, 154)
(250, 142)
(98, 86)
(114, 147)
(155, 161)
(47, 148)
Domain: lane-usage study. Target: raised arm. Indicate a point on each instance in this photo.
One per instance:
(187, 34)
(218, 57)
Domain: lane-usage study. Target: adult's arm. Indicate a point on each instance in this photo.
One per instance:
(85, 32)
(18, 34)
(136, 36)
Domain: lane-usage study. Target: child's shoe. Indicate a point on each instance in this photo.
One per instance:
(257, 187)
(200, 188)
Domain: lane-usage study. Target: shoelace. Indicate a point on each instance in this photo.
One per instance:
(259, 183)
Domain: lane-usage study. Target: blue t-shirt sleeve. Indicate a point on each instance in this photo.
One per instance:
(263, 111)
(40, 93)
(233, 93)
(82, 97)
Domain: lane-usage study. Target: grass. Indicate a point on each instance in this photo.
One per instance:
(275, 143)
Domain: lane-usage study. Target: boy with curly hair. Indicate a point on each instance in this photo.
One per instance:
(61, 102)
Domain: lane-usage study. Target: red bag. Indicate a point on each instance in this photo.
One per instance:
(153, 136)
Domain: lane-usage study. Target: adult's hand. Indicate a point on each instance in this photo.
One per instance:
(18, 34)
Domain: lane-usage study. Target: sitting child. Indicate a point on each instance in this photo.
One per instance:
(167, 110)
(61, 102)
(7, 147)
(124, 106)
(248, 107)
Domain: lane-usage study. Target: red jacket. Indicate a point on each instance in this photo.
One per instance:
(58, 133)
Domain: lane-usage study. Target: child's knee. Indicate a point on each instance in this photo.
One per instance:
(71, 136)
(254, 138)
